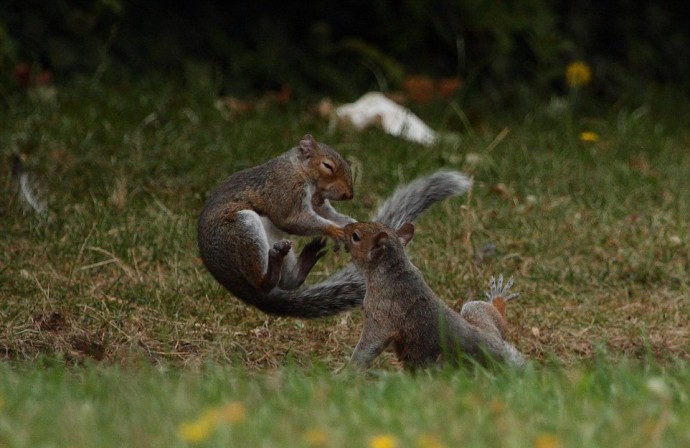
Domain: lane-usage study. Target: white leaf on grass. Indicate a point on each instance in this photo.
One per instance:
(374, 108)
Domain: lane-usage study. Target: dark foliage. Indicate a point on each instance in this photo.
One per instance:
(501, 50)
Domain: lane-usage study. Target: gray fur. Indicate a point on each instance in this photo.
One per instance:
(345, 289)
(401, 311)
(411, 200)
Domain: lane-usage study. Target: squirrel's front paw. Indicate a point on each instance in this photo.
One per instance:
(335, 232)
(338, 235)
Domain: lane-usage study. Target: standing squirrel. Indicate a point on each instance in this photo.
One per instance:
(400, 308)
(243, 224)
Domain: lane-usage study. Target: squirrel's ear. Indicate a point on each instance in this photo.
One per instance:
(405, 233)
(377, 245)
(307, 146)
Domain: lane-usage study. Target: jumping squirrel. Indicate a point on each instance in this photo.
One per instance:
(401, 310)
(242, 228)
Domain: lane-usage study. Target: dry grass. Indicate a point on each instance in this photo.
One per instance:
(596, 235)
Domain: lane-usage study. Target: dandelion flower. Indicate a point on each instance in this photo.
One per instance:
(316, 437)
(589, 137)
(429, 441)
(578, 74)
(547, 441)
(196, 431)
(383, 441)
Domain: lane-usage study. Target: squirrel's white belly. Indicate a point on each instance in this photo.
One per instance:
(273, 233)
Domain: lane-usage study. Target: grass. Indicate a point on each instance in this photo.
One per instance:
(109, 283)
(603, 405)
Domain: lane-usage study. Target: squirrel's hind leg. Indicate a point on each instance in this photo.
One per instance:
(294, 274)
(490, 315)
(275, 265)
(499, 294)
(263, 260)
(293, 270)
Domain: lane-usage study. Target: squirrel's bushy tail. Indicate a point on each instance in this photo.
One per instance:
(411, 200)
(345, 289)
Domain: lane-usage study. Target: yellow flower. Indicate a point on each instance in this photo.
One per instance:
(547, 441)
(196, 431)
(578, 74)
(383, 441)
(429, 441)
(316, 437)
(589, 137)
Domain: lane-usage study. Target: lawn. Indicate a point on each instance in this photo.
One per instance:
(113, 334)
(598, 405)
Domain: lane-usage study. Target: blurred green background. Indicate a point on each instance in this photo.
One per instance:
(504, 53)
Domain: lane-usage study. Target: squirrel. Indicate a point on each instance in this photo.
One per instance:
(402, 310)
(242, 228)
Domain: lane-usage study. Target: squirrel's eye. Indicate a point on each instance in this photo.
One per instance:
(355, 237)
(328, 166)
